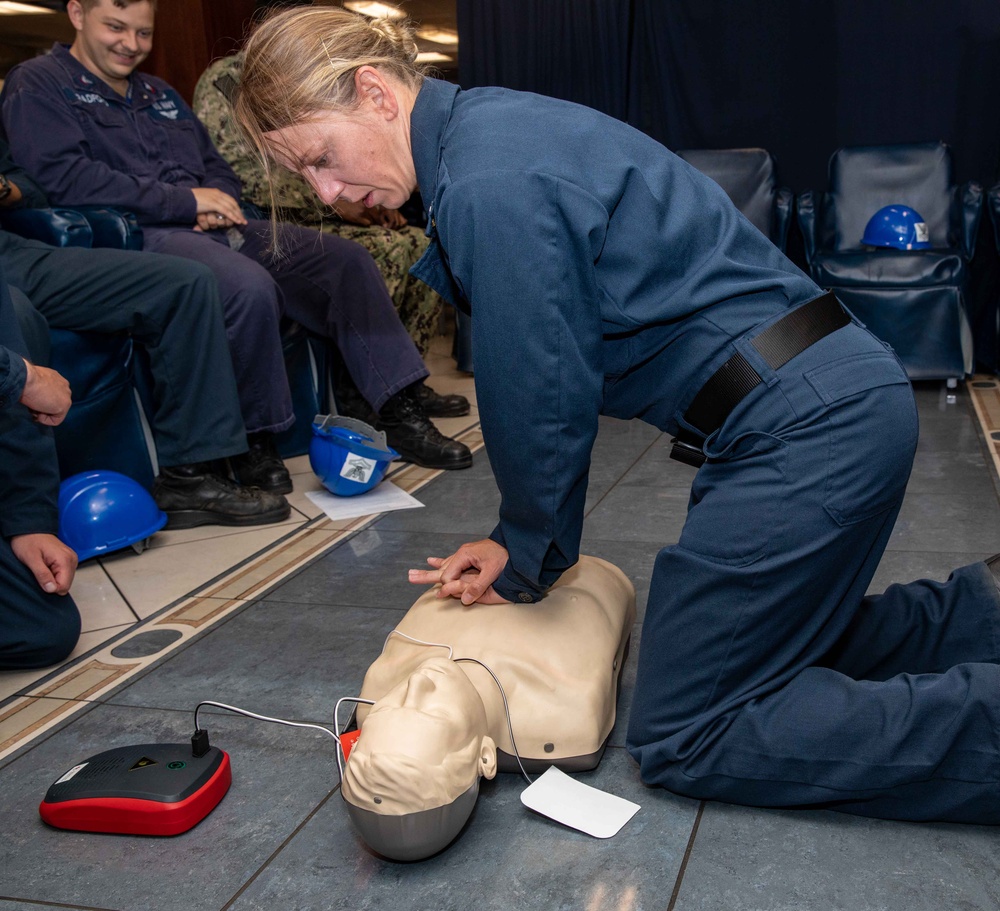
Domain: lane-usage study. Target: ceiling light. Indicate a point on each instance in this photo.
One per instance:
(9, 8)
(433, 57)
(438, 35)
(374, 9)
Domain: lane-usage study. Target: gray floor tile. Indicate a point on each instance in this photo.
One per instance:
(38, 906)
(506, 858)
(902, 566)
(278, 780)
(275, 658)
(957, 474)
(943, 522)
(452, 505)
(634, 513)
(757, 860)
(370, 569)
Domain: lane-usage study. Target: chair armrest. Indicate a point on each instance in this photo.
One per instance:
(114, 228)
(58, 227)
(971, 212)
(784, 202)
(806, 209)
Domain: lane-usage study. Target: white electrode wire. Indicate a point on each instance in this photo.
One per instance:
(336, 724)
(396, 632)
(291, 724)
(451, 655)
(506, 709)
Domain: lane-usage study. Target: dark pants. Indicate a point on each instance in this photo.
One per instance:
(329, 285)
(171, 308)
(765, 675)
(36, 629)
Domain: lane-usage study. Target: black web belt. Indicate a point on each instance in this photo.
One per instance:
(734, 380)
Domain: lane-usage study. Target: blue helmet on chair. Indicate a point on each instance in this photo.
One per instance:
(103, 511)
(899, 227)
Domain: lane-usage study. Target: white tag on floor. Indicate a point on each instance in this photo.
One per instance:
(577, 805)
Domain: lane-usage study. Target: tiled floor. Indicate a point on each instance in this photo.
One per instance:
(285, 620)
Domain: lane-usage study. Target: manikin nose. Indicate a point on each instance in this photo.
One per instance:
(419, 687)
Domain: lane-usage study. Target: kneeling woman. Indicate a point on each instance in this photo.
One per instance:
(606, 276)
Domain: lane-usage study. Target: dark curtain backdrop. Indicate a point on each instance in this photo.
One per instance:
(796, 77)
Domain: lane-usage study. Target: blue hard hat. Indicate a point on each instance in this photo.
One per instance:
(899, 227)
(347, 455)
(103, 511)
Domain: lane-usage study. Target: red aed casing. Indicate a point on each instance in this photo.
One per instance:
(148, 789)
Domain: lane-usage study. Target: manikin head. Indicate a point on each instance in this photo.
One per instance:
(113, 37)
(413, 774)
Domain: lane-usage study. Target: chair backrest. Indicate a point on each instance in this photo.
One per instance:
(747, 176)
(863, 179)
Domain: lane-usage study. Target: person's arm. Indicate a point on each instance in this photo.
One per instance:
(59, 157)
(24, 193)
(29, 472)
(530, 276)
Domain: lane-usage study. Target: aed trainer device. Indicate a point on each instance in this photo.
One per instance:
(144, 789)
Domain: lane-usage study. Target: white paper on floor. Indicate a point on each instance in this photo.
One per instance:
(384, 497)
(577, 805)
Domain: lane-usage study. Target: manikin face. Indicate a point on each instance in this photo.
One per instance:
(422, 745)
(435, 712)
(359, 156)
(111, 41)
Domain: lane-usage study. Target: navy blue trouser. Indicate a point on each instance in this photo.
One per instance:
(171, 308)
(766, 676)
(36, 628)
(329, 285)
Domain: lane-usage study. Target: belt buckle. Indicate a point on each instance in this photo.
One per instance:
(687, 453)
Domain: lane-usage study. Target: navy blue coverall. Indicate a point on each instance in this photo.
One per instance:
(606, 276)
(145, 152)
(36, 628)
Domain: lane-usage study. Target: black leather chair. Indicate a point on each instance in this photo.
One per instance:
(749, 177)
(913, 300)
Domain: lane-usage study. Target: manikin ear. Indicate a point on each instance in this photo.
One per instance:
(372, 88)
(488, 757)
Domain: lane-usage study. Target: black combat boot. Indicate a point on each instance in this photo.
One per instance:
(440, 406)
(261, 466)
(199, 494)
(410, 432)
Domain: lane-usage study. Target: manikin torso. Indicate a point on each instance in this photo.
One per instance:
(437, 720)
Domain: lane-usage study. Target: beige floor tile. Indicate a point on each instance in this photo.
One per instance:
(158, 577)
(167, 538)
(12, 682)
(101, 604)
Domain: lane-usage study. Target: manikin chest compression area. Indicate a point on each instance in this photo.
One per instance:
(460, 690)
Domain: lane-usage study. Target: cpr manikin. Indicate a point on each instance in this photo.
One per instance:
(439, 723)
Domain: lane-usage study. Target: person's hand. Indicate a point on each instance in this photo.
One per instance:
(389, 218)
(468, 574)
(52, 562)
(46, 394)
(216, 209)
(14, 196)
(356, 213)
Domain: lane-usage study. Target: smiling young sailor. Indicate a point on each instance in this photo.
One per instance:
(115, 136)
